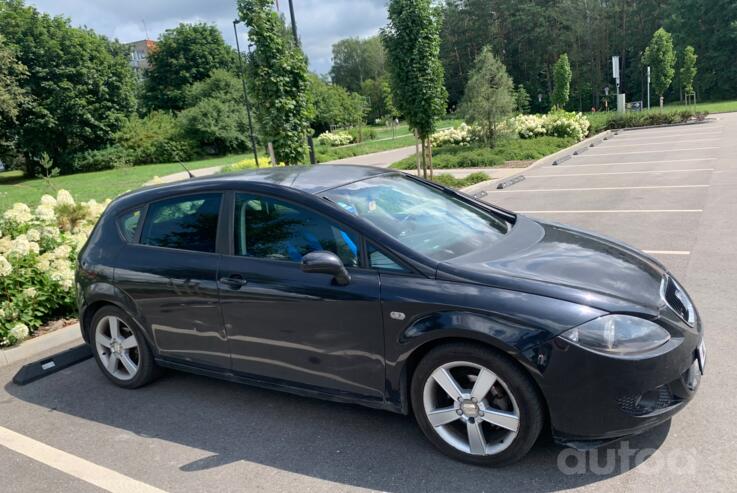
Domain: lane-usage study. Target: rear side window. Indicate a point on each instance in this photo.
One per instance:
(185, 223)
(128, 224)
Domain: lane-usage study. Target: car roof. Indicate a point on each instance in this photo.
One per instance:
(310, 179)
(307, 179)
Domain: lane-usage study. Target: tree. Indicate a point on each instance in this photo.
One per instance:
(81, 88)
(489, 96)
(659, 55)
(278, 81)
(562, 82)
(184, 55)
(334, 106)
(216, 118)
(357, 60)
(521, 100)
(412, 43)
(688, 71)
(12, 97)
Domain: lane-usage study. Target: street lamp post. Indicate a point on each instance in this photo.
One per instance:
(245, 92)
(648, 87)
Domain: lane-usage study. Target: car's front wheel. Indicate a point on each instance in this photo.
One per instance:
(476, 405)
(120, 349)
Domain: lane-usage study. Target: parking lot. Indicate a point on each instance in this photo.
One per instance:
(669, 191)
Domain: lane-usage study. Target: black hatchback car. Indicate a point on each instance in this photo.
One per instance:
(373, 287)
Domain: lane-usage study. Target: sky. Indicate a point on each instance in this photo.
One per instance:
(320, 23)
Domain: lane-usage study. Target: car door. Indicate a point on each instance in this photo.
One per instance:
(295, 327)
(169, 270)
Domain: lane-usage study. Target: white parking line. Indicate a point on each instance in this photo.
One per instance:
(650, 152)
(668, 161)
(102, 477)
(613, 211)
(619, 173)
(666, 252)
(627, 136)
(662, 142)
(599, 188)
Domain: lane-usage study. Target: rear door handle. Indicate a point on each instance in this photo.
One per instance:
(234, 282)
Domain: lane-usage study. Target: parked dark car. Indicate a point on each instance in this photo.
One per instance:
(370, 286)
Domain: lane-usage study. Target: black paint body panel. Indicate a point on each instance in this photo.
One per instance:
(301, 332)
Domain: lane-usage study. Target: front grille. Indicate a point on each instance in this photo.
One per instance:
(678, 300)
(647, 403)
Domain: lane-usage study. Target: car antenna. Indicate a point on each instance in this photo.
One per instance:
(185, 169)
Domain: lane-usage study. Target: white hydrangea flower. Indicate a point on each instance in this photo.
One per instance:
(30, 292)
(50, 232)
(19, 213)
(64, 198)
(44, 262)
(19, 331)
(5, 267)
(33, 235)
(62, 252)
(22, 246)
(45, 213)
(48, 200)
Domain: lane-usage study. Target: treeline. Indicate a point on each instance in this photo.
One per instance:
(530, 35)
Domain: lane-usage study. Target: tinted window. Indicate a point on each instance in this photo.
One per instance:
(128, 223)
(268, 228)
(378, 260)
(186, 223)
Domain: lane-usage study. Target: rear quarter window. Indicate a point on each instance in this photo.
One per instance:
(128, 224)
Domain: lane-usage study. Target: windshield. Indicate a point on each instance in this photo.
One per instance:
(421, 217)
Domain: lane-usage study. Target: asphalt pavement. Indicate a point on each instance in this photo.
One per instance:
(669, 191)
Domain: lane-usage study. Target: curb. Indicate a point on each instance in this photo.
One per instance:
(559, 156)
(34, 347)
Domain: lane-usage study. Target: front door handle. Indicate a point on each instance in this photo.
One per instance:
(234, 282)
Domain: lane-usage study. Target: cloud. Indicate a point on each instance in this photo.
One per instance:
(320, 23)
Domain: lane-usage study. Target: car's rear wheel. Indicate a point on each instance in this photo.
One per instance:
(120, 349)
(476, 405)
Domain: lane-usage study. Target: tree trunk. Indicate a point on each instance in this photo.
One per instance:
(424, 161)
(417, 152)
(429, 156)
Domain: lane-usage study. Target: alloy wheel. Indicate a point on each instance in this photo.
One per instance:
(117, 348)
(471, 408)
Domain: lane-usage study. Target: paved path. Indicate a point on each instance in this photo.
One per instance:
(382, 159)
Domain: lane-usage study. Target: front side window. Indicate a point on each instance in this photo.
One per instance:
(378, 260)
(185, 223)
(423, 218)
(268, 228)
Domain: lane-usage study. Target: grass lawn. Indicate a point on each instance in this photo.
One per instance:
(403, 139)
(479, 156)
(98, 185)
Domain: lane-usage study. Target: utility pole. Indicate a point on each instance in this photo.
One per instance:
(294, 23)
(648, 87)
(245, 92)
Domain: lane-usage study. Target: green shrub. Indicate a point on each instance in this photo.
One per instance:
(633, 119)
(450, 181)
(155, 138)
(217, 126)
(331, 139)
(478, 156)
(111, 157)
(366, 133)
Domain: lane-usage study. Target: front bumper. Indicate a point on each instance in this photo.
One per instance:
(594, 399)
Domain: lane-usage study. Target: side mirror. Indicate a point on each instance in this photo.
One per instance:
(322, 262)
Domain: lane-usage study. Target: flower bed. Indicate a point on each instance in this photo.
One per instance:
(554, 124)
(38, 250)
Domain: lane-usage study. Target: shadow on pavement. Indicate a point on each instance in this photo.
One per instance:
(344, 444)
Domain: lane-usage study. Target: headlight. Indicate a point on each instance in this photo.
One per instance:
(618, 334)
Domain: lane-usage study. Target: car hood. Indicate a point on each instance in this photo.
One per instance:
(566, 263)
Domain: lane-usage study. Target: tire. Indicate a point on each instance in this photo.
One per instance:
(108, 341)
(462, 427)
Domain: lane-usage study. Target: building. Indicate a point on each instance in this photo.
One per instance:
(139, 55)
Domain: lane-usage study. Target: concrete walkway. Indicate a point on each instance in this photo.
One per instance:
(382, 159)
